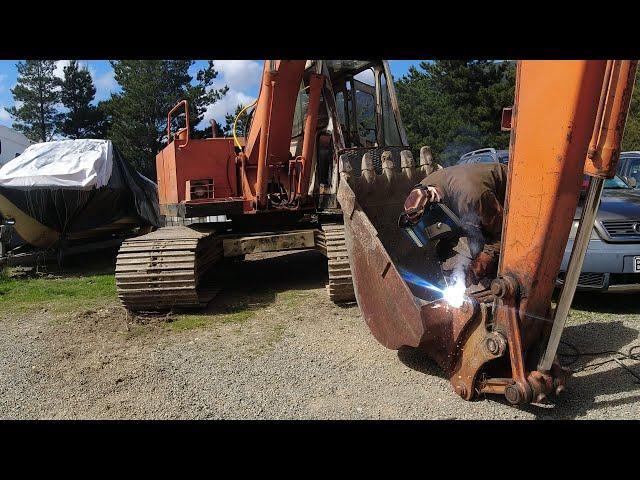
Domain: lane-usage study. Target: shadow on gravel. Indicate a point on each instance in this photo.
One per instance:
(606, 303)
(419, 361)
(257, 281)
(583, 392)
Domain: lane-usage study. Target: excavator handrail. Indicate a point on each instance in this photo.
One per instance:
(186, 113)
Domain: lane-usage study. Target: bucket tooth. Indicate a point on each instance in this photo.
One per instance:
(346, 170)
(408, 164)
(367, 168)
(426, 160)
(388, 168)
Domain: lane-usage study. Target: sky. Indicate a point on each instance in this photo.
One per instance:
(241, 76)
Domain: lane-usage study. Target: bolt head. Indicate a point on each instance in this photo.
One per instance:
(512, 394)
(492, 345)
(495, 344)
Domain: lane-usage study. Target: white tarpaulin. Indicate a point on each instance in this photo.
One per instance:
(77, 164)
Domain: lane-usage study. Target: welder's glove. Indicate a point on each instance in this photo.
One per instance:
(417, 201)
(485, 264)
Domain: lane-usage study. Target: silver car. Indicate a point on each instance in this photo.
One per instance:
(485, 155)
(612, 262)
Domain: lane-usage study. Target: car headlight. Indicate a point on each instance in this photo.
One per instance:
(574, 230)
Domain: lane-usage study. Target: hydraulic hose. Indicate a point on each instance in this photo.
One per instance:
(235, 122)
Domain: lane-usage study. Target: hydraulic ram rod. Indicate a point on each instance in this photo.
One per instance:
(602, 157)
(578, 252)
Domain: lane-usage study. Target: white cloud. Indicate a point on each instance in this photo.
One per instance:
(226, 104)
(59, 71)
(239, 75)
(4, 115)
(60, 64)
(366, 76)
(105, 84)
(2, 79)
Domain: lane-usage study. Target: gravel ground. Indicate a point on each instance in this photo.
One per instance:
(295, 356)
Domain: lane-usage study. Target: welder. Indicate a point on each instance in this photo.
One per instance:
(475, 193)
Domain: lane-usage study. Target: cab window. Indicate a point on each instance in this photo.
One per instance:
(302, 104)
(390, 128)
(365, 107)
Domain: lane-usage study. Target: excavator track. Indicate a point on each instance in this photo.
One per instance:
(340, 285)
(163, 269)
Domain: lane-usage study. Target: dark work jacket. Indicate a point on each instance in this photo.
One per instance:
(475, 193)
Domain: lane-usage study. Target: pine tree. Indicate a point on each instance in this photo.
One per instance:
(455, 106)
(102, 125)
(82, 119)
(36, 96)
(242, 125)
(150, 88)
(207, 132)
(631, 138)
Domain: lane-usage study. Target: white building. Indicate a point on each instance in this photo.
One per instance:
(12, 144)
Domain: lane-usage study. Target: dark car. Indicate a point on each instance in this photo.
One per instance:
(629, 168)
(612, 261)
(485, 155)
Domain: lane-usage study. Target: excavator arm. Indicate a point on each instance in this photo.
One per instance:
(567, 120)
(269, 137)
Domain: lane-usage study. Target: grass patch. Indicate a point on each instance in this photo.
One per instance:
(56, 294)
(292, 298)
(277, 334)
(234, 314)
(273, 337)
(134, 331)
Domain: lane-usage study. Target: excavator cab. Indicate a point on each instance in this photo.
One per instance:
(357, 113)
(367, 114)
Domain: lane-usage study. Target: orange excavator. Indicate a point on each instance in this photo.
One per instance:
(325, 164)
(273, 189)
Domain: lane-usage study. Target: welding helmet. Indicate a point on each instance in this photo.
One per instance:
(437, 222)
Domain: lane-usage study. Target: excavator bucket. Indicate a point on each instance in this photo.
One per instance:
(398, 286)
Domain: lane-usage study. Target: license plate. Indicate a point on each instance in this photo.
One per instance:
(636, 264)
